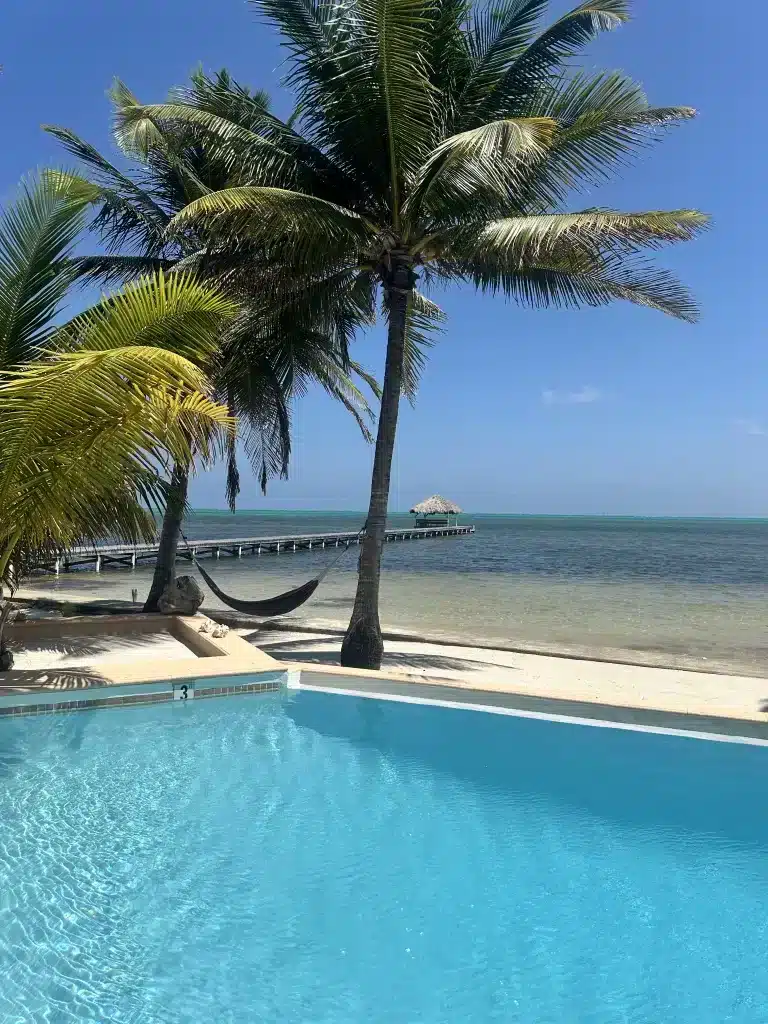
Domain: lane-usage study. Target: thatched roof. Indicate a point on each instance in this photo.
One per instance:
(436, 505)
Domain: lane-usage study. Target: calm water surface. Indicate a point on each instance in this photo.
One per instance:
(338, 860)
(672, 589)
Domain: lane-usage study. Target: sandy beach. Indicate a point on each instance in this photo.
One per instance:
(619, 689)
(666, 593)
(611, 684)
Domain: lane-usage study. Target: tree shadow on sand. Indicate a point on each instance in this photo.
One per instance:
(28, 680)
(309, 649)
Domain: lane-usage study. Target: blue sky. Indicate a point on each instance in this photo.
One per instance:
(617, 410)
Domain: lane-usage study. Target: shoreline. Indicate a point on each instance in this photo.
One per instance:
(599, 655)
(553, 684)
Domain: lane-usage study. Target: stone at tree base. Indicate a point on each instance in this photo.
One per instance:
(6, 660)
(181, 597)
(15, 614)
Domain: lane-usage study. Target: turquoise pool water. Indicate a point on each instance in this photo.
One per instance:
(330, 859)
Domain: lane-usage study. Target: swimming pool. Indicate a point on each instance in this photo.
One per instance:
(314, 857)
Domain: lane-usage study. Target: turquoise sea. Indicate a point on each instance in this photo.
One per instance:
(674, 591)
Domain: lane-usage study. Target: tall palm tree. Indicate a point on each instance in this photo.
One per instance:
(437, 141)
(91, 409)
(271, 352)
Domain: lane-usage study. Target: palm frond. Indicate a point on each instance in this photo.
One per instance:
(317, 35)
(423, 324)
(497, 34)
(232, 484)
(544, 56)
(122, 190)
(138, 136)
(82, 435)
(360, 73)
(271, 354)
(248, 141)
(306, 25)
(571, 281)
(483, 164)
(514, 241)
(338, 382)
(392, 69)
(37, 234)
(356, 369)
(260, 403)
(303, 227)
(85, 431)
(74, 186)
(237, 139)
(116, 270)
(169, 311)
(222, 95)
(603, 121)
(449, 55)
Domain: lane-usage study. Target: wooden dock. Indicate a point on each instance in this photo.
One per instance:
(233, 547)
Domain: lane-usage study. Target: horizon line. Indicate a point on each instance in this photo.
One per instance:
(511, 515)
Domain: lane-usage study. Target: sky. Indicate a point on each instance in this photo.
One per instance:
(617, 410)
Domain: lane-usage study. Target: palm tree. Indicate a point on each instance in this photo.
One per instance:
(272, 351)
(92, 409)
(437, 142)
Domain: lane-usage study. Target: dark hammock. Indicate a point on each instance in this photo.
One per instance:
(270, 606)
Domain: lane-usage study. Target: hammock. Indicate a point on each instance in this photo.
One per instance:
(271, 606)
(282, 604)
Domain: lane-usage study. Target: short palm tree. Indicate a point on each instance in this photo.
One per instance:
(436, 141)
(271, 352)
(91, 410)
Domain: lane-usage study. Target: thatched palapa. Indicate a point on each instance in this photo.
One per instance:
(437, 505)
(435, 511)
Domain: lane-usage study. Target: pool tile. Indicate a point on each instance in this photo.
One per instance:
(148, 697)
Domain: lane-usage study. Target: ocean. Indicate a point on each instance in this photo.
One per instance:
(683, 592)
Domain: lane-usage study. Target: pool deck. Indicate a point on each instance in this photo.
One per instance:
(169, 647)
(172, 648)
(702, 701)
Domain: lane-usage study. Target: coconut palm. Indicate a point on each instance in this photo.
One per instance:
(436, 141)
(272, 351)
(92, 409)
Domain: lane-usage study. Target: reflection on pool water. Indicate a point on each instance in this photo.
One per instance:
(329, 858)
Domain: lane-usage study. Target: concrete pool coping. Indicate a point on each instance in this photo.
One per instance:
(605, 692)
(701, 721)
(221, 665)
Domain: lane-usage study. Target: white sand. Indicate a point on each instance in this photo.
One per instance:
(669, 690)
(92, 651)
(664, 689)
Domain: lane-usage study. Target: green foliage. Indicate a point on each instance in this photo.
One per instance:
(434, 141)
(280, 340)
(90, 410)
(430, 126)
(37, 234)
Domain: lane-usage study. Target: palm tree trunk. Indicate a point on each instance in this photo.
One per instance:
(363, 646)
(165, 566)
(6, 657)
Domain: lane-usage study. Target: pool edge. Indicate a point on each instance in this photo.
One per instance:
(658, 716)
